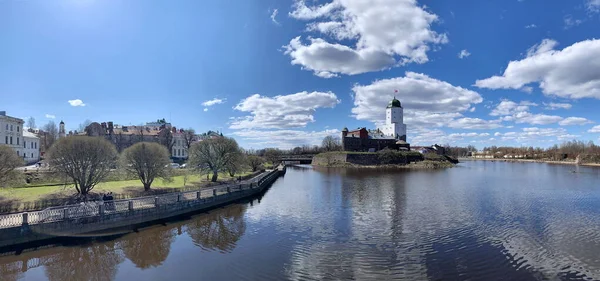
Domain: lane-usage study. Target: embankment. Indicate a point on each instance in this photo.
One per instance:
(400, 159)
(90, 219)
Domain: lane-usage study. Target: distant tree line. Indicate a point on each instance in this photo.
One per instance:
(568, 150)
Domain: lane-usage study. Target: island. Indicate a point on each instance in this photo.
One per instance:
(385, 146)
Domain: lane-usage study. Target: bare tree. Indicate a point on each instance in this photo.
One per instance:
(272, 155)
(9, 160)
(120, 141)
(255, 162)
(237, 164)
(165, 137)
(84, 125)
(214, 154)
(189, 136)
(31, 123)
(50, 134)
(147, 161)
(86, 160)
(331, 143)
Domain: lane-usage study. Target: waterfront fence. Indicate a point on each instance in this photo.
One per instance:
(82, 212)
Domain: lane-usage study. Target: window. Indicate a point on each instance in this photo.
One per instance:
(6, 140)
(24, 144)
(17, 140)
(17, 128)
(7, 127)
(36, 145)
(10, 140)
(11, 128)
(32, 155)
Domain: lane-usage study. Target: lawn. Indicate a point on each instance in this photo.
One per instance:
(29, 194)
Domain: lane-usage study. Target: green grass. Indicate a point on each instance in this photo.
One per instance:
(28, 194)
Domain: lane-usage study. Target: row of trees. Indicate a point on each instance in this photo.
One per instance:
(565, 150)
(88, 160)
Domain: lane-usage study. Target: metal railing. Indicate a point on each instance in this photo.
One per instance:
(79, 212)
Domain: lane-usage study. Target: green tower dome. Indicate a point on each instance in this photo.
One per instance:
(394, 103)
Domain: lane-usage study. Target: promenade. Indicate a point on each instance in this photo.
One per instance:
(90, 217)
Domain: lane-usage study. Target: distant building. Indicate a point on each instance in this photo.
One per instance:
(125, 136)
(11, 132)
(61, 129)
(392, 135)
(31, 147)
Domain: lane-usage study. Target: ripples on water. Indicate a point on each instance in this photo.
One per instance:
(479, 221)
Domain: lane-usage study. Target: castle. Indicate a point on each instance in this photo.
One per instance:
(392, 135)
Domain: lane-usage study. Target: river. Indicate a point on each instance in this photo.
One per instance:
(478, 221)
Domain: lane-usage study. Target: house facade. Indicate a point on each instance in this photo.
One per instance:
(11, 132)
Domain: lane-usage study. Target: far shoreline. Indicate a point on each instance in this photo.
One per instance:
(530, 161)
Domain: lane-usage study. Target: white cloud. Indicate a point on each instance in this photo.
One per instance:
(533, 119)
(595, 129)
(273, 15)
(474, 124)
(213, 102)
(534, 133)
(555, 106)
(463, 54)
(76, 102)
(284, 139)
(519, 113)
(507, 107)
(429, 137)
(570, 21)
(426, 101)
(574, 121)
(531, 26)
(570, 73)
(385, 33)
(289, 111)
(50, 116)
(205, 109)
(593, 6)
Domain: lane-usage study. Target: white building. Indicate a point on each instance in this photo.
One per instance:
(179, 149)
(394, 121)
(31, 147)
(11, 132)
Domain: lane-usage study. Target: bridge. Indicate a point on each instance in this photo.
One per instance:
(296, 159)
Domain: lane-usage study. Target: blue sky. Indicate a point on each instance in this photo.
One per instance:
(286, 73)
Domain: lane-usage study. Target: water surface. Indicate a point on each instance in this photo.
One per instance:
(478, 221)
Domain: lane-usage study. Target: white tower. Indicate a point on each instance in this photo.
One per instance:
(394, 120)
(61, 130)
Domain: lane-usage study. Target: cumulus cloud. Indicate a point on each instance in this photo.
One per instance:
(284, 139)
(533, 133)
(384, 34)
(595, 129)
(531, 26)
(474, 124)
(463, 54)
(570, 73)
(213, 102)
(50, 116)
(76, 102)
(428, 137)
(569, 121)
(555, 106)
(519, 113)
(288, 111)
(427, 101)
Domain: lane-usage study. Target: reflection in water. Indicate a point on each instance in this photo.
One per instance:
(218, 230)
(90, 262)
(478, 221)
(150, 248)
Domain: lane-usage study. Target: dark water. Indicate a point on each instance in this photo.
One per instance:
(479, 221)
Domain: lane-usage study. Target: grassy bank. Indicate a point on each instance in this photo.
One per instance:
(569, 162)
(39, 196)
